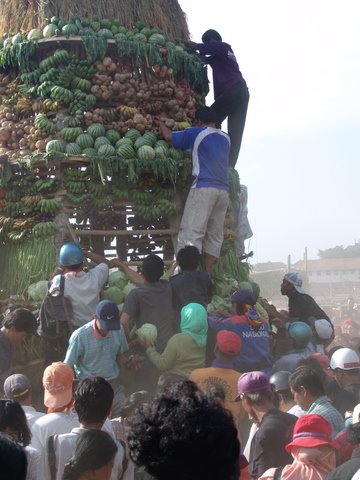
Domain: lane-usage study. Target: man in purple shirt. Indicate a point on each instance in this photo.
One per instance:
(207, 202)
(230, 90)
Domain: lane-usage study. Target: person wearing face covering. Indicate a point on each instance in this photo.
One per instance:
(185, 351)
(312, 450)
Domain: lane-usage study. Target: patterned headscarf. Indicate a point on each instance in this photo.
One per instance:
(194, 322)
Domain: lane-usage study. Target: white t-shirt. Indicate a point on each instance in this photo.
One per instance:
(64, 449)
(43, 428)
(83, 289)
(31, 414)
(33, 463)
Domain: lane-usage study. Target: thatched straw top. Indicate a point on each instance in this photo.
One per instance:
(24, 15)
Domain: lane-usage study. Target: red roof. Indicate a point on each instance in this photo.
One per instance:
(324, 264)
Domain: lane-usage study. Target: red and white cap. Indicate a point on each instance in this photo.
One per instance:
(345, 359)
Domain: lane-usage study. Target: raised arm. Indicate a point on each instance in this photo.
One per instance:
(133, 276)
(96, 258)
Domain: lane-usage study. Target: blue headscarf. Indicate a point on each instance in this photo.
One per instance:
(194, 321)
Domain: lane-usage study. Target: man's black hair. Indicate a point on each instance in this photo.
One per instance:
(206, 115)
(152, 268)
(188, 258)
(308, 378)
(12, 460)
(21, 319)
(167, 379)
(353, 433)
(181, 434)
(93, 400)
(133, 401)
(211, 35)
(12, 416)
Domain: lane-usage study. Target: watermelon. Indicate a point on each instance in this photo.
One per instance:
(85, 141)
(106, 33)
(101, 141)
(106, 23)
(106, 150)
(89, 152)
(151, 136)
(55, 146)
(133, 134)
(73, 149)
(175, 153)
(157, 38)
(34, 34)
(126, 151)
(113, 136)
(96, 130)
(70, 30)
(18, 38)
(146, 31)
(146, 153)
(162, 143)
(161, 152)
(140, 37)
(123, 141)
(141, 141)
(140, 24)
(49, 30)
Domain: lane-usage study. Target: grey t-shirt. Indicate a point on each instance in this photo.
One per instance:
(152, 303)
(5, 359)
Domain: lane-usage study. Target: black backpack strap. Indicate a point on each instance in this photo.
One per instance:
(62, 285)
(52, 455)
(125, 459)
(277, 474)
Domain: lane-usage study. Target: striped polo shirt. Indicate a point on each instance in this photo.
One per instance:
(92, 355)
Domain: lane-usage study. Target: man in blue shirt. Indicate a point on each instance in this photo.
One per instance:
(230, 90)
(206, 205)
(97, 348)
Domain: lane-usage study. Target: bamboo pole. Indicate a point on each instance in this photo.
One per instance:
(121, 233)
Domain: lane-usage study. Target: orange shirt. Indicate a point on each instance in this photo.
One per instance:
(206, 378)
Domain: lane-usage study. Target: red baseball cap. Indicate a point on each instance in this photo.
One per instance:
(228, 342)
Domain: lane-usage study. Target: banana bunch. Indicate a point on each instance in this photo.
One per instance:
(81, 83)
(13, 209)
(82, 68)
(70, 121)
(49, 105)
(44, 229)
(28, 89)
(13, 195)
(11, 88)
(5, 222)
(230, 234)
(31, 200)
(101, 203)
(76, 186)
(120, 194)
(159, 192)
(50, 76)
(165, 207)
(70, 134)
(43, 123)
(148, 212)
(44, 89)
(59, 57)
(141, 197)
(77, 199)
(24, 104)
(97, 189)
(127, 112)
(81, 101)
(47, 185)
(23, 223)
(182, 125)
(16, 236)
(76, 174)
(61, 94)
(50, 206)
(31, 77)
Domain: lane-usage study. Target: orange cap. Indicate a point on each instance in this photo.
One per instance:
(57, 381)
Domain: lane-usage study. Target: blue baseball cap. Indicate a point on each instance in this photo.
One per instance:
(108, 314)
(243, 297)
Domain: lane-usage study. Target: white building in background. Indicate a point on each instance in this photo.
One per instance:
(330, 270)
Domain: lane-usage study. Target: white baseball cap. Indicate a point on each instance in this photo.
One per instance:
(295, 279)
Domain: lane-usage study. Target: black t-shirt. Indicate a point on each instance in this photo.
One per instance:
(347, 398)
(268, 444)
(302, 306)
(190, 286)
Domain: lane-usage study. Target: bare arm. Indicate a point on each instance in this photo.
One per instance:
(133, 276)
(166, 132)
(124, 320)
(96, 258)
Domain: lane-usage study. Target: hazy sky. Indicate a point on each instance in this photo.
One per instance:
(300, 152)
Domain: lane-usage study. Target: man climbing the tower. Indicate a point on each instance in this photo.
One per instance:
(206, 205)
(231, 93)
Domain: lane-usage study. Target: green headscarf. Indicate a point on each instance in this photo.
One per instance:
(194, 321)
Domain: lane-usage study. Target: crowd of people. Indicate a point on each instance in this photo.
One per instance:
(256, 393)
(163, 388)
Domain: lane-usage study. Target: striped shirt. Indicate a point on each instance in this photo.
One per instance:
(323, 407)
(92, 355)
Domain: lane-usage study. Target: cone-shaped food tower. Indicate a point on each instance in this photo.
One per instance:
(80, 154)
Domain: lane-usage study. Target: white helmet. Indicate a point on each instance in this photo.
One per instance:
(345, 359)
